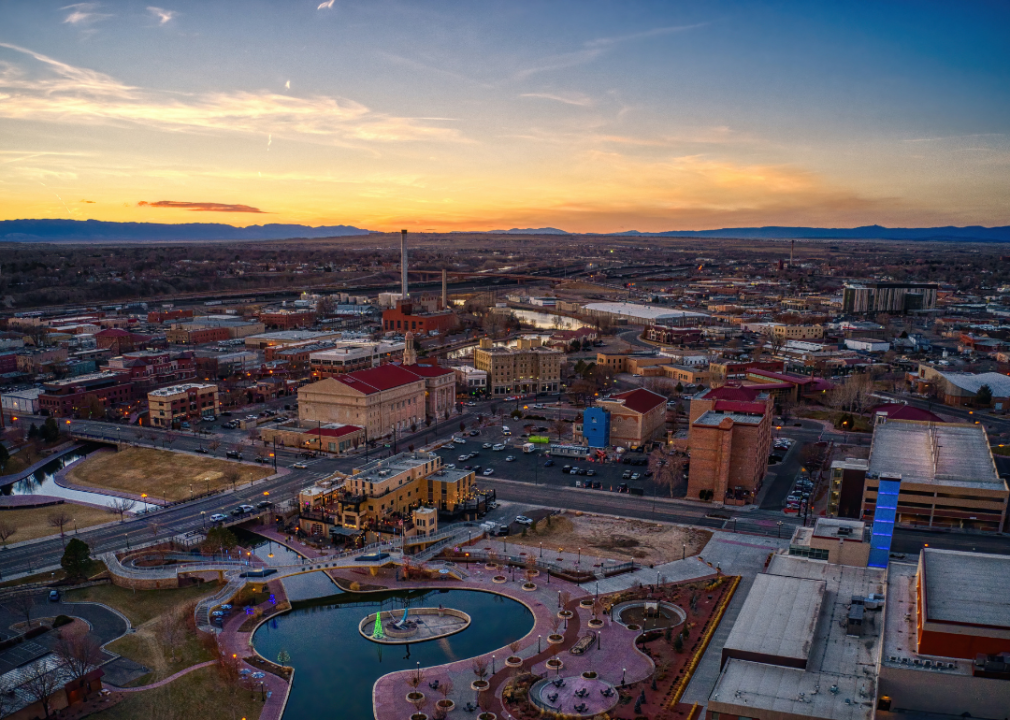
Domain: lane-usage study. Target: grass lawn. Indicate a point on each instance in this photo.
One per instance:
(34, 522)
(140, 605)
(161, 474)
(145, 647)
(98, 569)
(200, 694)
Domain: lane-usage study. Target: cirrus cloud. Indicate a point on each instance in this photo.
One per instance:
(201, 206)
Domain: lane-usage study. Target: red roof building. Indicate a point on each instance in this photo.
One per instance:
(900, 411)
(637, 417)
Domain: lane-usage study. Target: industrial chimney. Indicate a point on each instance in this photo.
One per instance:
(403, 264)
(445, 295)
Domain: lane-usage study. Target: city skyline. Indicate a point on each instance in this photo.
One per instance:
(592, 118)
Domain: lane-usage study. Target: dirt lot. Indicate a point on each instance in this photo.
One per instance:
(161, 474)
(617, 538)
(33, 523)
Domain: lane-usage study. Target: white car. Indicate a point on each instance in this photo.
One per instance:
(450, 446)
(499, 447)
(509, 458)
(471, 404)
(523, 520)
(450, 466)
(463, 458)
(505, 430)
(488, 471)
(487, 446)
(218, 517)
(299, 466)
(247, 508)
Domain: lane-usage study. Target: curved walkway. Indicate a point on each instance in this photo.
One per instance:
(166, 681)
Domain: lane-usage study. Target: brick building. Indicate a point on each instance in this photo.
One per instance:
(35, 361)
(287, 319)
(409, 315)
(73, 397)
(181, 403)
(149, 369)
(637, 417)
(185, 335)
(381, 399)
(117, 340)
(161, 316)
(730, 433)
(527, 368)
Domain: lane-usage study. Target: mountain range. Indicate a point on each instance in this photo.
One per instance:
(100, 231)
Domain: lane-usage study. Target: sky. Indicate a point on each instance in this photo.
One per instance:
(586, 116)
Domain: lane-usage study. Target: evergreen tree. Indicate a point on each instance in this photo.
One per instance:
(77, 560)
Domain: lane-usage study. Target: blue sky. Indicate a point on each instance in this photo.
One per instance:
(584, 115)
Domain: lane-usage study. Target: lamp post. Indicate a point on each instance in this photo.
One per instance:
(624, 671)
(579, 561)
(559, 598)
(203, 517)
(684, 556)
(541, 549)
(779, 523)
(492, 665)
(539, 638)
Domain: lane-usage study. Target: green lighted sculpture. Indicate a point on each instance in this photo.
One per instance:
(377, 632)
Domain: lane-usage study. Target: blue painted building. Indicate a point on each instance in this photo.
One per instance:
(596, 427)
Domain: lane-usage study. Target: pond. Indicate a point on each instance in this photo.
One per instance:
(262, 547)
(41, 482)
(336, 667)
(547, 321)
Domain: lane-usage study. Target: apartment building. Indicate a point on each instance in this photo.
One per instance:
(287, 319)
(636, 418)
(528, 368)
(79, 396)
(797, 332)
(34, 361)
(888, 297)
(148, 369)
(730, 434)
(181, 403)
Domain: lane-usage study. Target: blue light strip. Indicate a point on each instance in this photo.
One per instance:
(883, 523)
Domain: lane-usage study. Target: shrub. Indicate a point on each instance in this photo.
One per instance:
(62, 620)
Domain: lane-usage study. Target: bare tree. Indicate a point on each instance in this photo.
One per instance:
(232, 477)
(558, 427)
(59, 519)
(667, 470)
(565, 597)
(23, 604)
(214, 445)
(415, 679)
(40, 683)
(6, 530)
(445, 688)
(121, 506)
(479, 667)
(80, 653)
(170, 630)
(169, 438)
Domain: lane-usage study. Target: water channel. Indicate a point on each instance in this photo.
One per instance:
(546, 321)
(42, 482)
(336, 667)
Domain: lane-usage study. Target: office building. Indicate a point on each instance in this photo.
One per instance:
(840, 542)
(888, 297)
(353, 356)
(86, 395)
(528, 368)
(181, 403)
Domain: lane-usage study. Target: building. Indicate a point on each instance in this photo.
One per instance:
(840, 542)
(870, 345)
(149, 369)
(411, 315)
(119, 341)
(21, 402)
(804, 645)
(944, 472)
(946, 624)
(287, 319)
(381, 400)
(187, 335)
(181, 403)
(331, 437)
(672, 335)
(289, 337)
(36, 361)
(637, 417)
(887, 297)
(162, 316)
(960, 389)
(636, 314)
(85, 395)
(724, 372)
(687, 374)
(730, 435)
(596, 427)
(353, 356)
(845, 492)
(797, 332)
(470, 380)
(527, 368)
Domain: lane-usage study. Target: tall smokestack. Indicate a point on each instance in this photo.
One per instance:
(792, 247)
(403, 264)
(445, 294)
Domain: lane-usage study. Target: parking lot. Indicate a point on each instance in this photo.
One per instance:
(531, 467)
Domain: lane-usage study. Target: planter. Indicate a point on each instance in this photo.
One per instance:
(487, 716)
(446, 705)
(555, 638)
(490, 566)
(633, 626)
(586, 602)
(499, 579)
(565, 614)
(513, 661)
(418, 716)
(479, 685)
(589, 674)
(555, 664)
(534, 573)
(415, 695)
(529, 587)
(595, 623)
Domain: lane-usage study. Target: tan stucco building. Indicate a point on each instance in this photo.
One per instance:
(529, 367)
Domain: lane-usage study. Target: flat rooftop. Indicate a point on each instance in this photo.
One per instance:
(379, 470)
(838, 681)
(967, 587)
(777, 619)
(839, 528)
(179, 389)
(714, 417)
(947, 454)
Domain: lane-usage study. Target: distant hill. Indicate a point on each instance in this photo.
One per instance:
(98, 231)
(867, 232)
(529, 231)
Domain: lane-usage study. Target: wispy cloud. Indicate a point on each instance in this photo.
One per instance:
(83, 13)
(580, 100)
(65, 93)
(161, 14)
(201, 206)
(328, 4)
(654, 32)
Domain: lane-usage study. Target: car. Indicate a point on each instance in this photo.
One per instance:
(474, 433)
(505, 430)
(580, 471)
(185, 426)
(549, 463)
(477, 468)
(635, 476)
(226, 413)
(450, 466)
(487, 446)
(566, 469)
(498, 448)
(595, 484)
(260, 459)
(218, 517)
(509, 458)
(234, 454)
(247, 508)
(590, 472)
(622, 488)
(468, 467)
(492, 505)
(252, 417)
(54, 596)
(626, 475)
(488, 471)
(238, 511)
(449, 446)
(299, 466)
(523, 520)
(502, 530)
(573, 471)
(474, 454)
(471, 404)
(463, 458)
(264, 504)
(201, 450)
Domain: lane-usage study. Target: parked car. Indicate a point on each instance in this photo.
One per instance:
(54, 596)
(502, 531)
(590, 472)
(234, 454)
(201, 450)
(549, 463)
(523, 520)
(635, 476)
(463, 458)
(487, 446)
(498, 448)
(488, 471)
(474, 433)
(626, 475)
(566, 469)
(595, 484)
(509, 458)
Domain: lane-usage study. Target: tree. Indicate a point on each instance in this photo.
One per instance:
(50, 430)
(171, 631)
(6, 530)
(40, 682)
(59, 519)
(558, 427)
(479, 667)
(4, 457)
(667, 470)
(214, 445)
(33, 432)
(23, 604)
(80, 653)
(232, 477)
(121, 506)
(76, 559)
(219, 539)
(984, 396)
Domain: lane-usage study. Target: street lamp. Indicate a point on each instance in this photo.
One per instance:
(203, 517)
(684, 557)
(779, 523)
(539, 638)
(624, 672)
